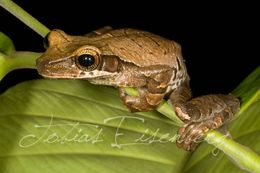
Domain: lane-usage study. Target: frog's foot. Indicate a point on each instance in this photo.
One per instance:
(202, 114)
(144, 102)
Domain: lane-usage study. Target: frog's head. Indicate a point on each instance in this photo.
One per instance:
(72, 57)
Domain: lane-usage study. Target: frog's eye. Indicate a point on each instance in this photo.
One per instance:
(87, 61)
(46, 41)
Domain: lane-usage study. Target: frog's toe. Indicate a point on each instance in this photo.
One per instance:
(190, 135)
(130, 102)
(136, 104)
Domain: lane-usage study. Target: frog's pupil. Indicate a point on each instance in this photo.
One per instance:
(86, 60)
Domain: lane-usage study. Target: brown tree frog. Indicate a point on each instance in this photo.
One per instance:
(133, 58)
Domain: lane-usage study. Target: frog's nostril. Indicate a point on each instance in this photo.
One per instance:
(41, 65)
(39, 62)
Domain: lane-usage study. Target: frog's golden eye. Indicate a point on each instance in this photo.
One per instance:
(87, 61)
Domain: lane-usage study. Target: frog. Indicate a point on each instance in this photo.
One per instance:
(150, 63)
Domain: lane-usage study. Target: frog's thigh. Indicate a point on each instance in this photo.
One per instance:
(150, 96)
(156, 88)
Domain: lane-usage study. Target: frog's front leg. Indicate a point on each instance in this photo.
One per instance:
(201, 114)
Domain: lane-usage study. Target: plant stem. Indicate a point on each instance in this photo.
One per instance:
(17, 60)
(25, 17)
(242, 156)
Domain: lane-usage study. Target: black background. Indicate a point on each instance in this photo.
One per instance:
(219, 41)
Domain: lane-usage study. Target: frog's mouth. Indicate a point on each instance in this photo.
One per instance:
(53, 75)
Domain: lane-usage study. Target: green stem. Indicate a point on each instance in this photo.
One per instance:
(17, 60)
(242, 156)
(25, 17)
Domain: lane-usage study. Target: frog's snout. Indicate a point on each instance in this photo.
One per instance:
(41, 66)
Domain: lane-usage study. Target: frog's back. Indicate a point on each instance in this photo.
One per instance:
(140, 47)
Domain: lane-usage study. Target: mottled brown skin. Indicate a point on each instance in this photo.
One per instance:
(151, 64)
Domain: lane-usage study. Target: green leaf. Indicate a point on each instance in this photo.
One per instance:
(76, 109)
(73, 126)
(245, 129)
(6, 44)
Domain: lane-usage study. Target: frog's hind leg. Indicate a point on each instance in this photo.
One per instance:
(201, 114)
(179, 96)
(206, 113)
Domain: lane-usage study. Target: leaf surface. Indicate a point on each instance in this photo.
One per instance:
(73, 126)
